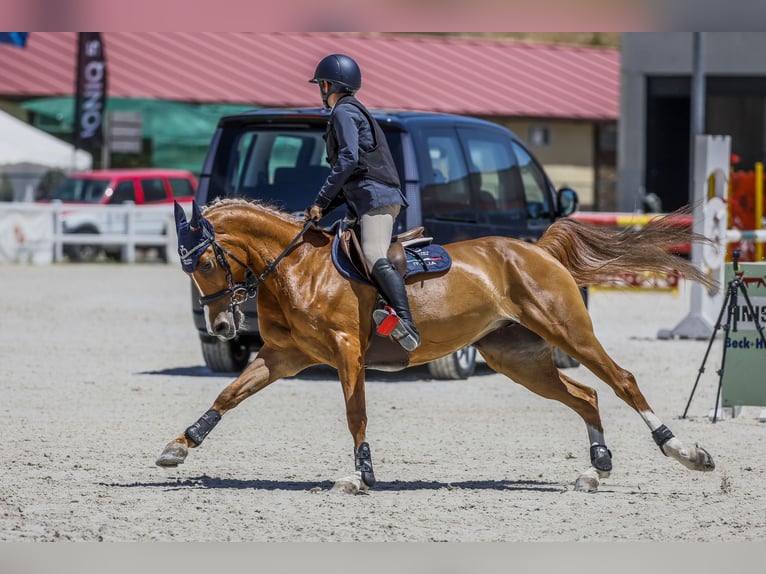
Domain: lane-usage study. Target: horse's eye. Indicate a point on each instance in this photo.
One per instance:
(206, 267)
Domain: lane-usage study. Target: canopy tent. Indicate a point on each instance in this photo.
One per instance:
(179, 132)
(28, 153)
(23, 143)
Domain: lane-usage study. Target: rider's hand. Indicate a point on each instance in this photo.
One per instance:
(314, 213)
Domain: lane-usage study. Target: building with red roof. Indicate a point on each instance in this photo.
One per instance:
(564, 100)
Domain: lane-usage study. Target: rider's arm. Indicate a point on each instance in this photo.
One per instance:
(345, 122)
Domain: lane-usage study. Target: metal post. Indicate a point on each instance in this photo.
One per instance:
(696, 325)
(697, 99)
(105, 150)
(698, 192)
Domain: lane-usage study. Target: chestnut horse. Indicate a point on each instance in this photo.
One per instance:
(512, 300)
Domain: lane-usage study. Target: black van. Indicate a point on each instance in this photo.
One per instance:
(463, 178)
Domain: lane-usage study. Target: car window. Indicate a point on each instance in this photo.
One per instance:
(154, 190)
(85, 190)
(181, 187)
(124, 191)
(446, 190)
(285, 166)
(496, 184)
(534, 182)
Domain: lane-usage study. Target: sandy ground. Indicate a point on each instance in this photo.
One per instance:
(101, 367)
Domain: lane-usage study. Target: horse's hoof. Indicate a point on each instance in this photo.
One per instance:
(352, 484)
(343, 487)
(173, 455)
(587, 481)
(704, 461)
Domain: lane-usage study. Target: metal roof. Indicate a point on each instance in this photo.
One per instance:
(447, 74)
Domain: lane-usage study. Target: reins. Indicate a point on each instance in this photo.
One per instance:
(241, 292)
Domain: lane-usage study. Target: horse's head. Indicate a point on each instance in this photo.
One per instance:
(223, 279)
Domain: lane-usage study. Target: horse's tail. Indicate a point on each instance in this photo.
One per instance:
(597, 256)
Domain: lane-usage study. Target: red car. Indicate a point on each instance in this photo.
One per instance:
(144, 187)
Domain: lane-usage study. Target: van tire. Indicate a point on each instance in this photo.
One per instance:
(225, 356)
(459, 365)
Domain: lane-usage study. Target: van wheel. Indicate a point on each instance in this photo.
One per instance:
(458, 365)
(564, 361)
(225, 356)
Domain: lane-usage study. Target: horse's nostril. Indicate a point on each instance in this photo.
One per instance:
(221, 327)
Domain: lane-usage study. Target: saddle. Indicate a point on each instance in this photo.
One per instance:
(352, 248)
(410, 252)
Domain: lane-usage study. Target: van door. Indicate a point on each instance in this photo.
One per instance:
(284, 166)
(538, 192)
(497, 190)
(445, 198)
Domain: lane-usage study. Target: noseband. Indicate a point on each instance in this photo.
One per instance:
(241, 292)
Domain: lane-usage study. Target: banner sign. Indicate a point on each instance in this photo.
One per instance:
(90, 90)
(743, 381)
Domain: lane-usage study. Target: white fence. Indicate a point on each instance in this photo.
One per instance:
(35, 232)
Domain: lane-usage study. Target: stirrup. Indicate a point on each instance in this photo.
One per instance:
(390, 324)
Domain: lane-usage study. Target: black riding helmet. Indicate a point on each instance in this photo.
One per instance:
(342, 72)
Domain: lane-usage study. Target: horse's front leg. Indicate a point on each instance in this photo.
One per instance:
(270, 364)
(351, 373)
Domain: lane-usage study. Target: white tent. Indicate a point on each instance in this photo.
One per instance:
(23, 143)
(27, 154)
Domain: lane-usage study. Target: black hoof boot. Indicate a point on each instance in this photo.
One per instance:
(601, 458)
(364, 464)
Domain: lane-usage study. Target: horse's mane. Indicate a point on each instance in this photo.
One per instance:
(259, 204)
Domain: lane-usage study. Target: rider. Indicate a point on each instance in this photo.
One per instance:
(365, 177)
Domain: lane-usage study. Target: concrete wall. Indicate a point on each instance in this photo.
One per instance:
(670, 53)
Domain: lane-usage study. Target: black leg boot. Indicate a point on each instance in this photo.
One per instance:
(391, 285)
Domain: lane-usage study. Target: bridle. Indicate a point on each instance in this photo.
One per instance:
(239, 292)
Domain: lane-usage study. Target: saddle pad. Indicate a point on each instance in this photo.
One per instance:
(424, 260)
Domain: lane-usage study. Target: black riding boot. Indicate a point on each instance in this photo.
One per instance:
(391, 285)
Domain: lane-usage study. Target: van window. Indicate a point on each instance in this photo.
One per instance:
(181, 187)
(284, 153)
(284, 166)
(534, 182)
(446, 193)
(154, 190)
(124, 191)
(497, 189)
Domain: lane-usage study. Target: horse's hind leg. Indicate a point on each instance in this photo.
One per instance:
(268, 366)
(526, 358)
(576, 326)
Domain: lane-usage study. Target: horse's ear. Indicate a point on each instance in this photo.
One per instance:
(180, 214)
(196, 215)
(182, 226)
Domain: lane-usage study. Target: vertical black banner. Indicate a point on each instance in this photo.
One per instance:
(90, 90)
